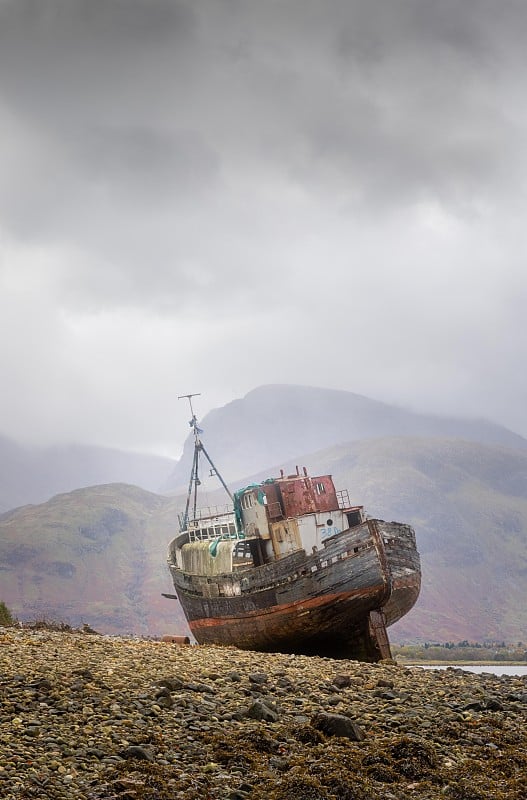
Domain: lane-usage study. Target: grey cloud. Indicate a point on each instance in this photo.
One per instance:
(62, 61)
(48, 23)
(372, 32)
(380, 103)
(144, 163)
(251, 171)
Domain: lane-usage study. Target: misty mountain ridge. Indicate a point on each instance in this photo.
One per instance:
(34, 474)
(272, 424)
(275, 423)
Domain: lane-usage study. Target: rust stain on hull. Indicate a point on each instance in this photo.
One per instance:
(307, 573)
(300, 606)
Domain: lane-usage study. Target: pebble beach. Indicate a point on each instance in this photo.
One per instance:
(90, 716)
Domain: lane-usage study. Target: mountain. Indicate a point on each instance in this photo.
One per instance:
(276, 423)
(97, 555)
(32, 475)
(268, 426)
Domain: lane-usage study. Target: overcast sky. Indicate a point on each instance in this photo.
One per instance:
(205, 196)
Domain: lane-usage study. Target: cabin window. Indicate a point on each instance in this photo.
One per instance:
(354, 518)
(320, 488)
(247, 501)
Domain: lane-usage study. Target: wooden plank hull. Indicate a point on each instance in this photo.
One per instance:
(311, 604)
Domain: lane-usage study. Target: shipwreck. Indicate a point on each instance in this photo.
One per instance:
(291, 566)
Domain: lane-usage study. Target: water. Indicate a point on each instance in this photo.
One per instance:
(508, 669)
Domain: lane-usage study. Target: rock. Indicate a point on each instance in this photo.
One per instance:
(101, 717)
(258, 677)
(280, 764)
(341, 681)
(337, 725)
(137, 751)
(198, 687)
(171, 683)
(486, 704)
(165, 701)
(261, 711)
(84, 672)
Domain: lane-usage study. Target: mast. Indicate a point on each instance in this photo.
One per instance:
(194, 481)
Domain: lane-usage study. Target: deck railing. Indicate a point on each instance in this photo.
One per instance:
(210, 526)
(343, 498)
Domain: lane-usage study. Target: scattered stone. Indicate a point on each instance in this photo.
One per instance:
(262, 711)
(258, 677)
(342, 681)
(487, 704)
(98, 717)
(172, 684)
(136, 751)
(337, 725)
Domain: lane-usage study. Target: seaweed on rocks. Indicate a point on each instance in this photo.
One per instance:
(97, 718)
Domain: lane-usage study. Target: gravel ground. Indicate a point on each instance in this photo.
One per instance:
(90, 716)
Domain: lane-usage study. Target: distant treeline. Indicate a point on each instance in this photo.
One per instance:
(461, 651)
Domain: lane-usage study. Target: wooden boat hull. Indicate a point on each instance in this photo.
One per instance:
(320, 603)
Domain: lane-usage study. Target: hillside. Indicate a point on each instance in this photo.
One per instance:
(94, 556)
(33, 474)
(275, 423)
(468, 504)
(98, 555)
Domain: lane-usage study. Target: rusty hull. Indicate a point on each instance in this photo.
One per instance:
(311, 604)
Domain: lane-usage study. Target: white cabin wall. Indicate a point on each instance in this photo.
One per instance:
(255, 517)
(314, 528)
(324, 531)
(307, 529)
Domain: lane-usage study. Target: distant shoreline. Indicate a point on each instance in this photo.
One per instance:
(403, 662)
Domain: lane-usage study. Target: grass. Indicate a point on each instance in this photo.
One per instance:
(7, 619)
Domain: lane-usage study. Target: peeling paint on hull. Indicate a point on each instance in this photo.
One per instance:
(310, 604)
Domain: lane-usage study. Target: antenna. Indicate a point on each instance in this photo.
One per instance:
(194, 476)
(194, 421)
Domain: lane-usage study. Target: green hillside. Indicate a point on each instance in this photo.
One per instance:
(97, 555)
(93, 556)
